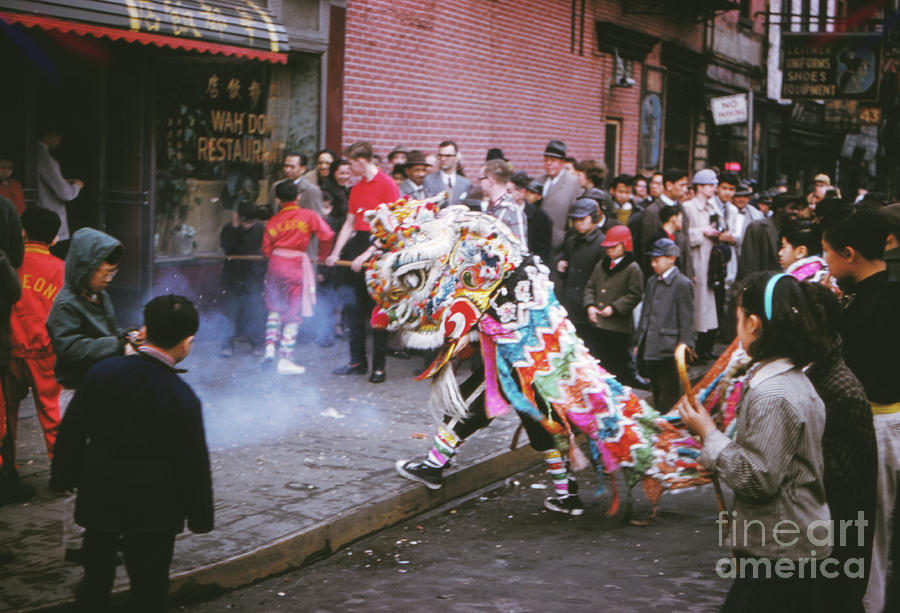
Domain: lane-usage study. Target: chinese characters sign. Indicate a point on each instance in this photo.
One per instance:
(833, 66)
(246, 25)
(215, 113)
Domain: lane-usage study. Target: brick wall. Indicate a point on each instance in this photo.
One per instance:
(490, 73)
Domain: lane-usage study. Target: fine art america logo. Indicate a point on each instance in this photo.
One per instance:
(745, 535)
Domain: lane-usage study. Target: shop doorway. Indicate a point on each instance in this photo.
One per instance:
(92, 90)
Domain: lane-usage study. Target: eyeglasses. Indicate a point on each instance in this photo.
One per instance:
(446, 155)
(482, 178)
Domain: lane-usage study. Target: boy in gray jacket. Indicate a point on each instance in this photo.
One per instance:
(667, 319)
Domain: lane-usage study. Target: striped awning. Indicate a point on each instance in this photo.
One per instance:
(240, 28)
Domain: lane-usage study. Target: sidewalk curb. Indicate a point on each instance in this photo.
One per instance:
(298, 549)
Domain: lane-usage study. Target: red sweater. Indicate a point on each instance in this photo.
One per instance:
(366, 195)
(292, 227)
(42, 276)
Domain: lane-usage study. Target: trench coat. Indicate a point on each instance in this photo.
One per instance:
(698, 211)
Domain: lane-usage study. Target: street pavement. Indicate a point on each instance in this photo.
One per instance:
(499, 551)
(302, 466)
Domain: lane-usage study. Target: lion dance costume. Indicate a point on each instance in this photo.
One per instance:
(446, 276)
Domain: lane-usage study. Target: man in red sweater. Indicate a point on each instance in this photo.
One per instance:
(374, 188)
(290, 280)
(31, 354)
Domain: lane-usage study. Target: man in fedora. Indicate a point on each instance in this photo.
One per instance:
(495, 153)
(416, 171)
(560, 190)
(398, 155)
(448, 178)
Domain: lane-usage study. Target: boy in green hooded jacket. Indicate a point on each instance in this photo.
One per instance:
(83, 331)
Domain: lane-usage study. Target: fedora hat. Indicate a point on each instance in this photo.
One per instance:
(415, 158)
(555, 149)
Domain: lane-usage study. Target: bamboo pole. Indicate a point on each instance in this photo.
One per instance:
(252, 258)
(681, 362)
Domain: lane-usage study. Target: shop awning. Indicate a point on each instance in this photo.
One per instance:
(239, 28)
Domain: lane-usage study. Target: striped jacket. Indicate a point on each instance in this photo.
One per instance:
(774, 465)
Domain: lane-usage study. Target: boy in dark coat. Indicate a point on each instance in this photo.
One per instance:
(667, 320)
(853, 244)
(611, 294)
(581, 251)
(132, 442)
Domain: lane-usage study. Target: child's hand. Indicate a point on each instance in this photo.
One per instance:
(593, 313)
(561, 266)
(698, 422)
(607, 311)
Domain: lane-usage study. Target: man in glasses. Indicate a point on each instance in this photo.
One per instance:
(449, 178)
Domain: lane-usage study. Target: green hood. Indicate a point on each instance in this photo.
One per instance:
(89, 248)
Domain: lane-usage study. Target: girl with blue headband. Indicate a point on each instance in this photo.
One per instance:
(774, 464)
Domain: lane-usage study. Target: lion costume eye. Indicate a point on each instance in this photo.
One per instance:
(413, 279)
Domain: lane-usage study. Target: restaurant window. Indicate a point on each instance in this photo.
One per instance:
(222, 129)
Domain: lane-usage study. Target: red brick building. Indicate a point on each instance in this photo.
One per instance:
(515, 73)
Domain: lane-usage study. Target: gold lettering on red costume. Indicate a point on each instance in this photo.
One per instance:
(51, 291)
(288, 225)
(40, 286)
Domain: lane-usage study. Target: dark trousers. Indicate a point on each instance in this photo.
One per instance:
(147, 559)
(705, 341)
(773, 595)
(246, 312)
(664, 383)
(844, 594)
(612, 349)
(540, 439)
(359, 311)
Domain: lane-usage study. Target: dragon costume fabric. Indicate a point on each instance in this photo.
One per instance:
(445, 277)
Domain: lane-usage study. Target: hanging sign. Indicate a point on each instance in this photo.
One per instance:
(729, 109)
(830, 66)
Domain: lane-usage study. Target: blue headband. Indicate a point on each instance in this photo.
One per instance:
(770, 289)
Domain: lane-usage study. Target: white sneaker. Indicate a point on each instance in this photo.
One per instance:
(269, 355)
(286, 367)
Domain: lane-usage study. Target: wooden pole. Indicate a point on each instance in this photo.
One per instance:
(250, 258)
(681, 362)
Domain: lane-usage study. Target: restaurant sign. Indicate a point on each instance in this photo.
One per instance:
(830, 66)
